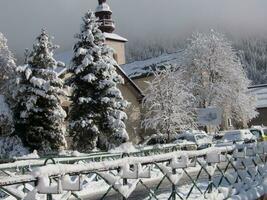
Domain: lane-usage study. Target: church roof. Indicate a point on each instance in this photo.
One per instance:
(144, 68)
(114, 36)
(260, 92)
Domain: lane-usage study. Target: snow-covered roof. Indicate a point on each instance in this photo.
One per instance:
(114, 36)
(103, 7)
(66, 58)
(144, 68)
(260, 92)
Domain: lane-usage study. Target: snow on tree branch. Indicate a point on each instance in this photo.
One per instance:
(39, 117)
(97, 112)
(213, 71)
(7, 66)
(168, 103)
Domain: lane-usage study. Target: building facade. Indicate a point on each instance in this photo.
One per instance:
(260, 92)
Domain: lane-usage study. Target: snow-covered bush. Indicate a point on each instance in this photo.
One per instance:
(39, 117)
(126, 147)
(11, 146)
(168, 104)
(97, 116)
(213, 71)
(7, 66)
(6, 118)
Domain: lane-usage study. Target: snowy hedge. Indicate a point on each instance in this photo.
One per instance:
(11, 146)
(6, 118)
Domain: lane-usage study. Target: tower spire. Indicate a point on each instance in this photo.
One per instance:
(101, 1)
(103, 12)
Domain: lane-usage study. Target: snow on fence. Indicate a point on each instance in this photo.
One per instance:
(23, 165)
(237, 172)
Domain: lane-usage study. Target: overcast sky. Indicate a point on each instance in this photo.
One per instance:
(22, 20)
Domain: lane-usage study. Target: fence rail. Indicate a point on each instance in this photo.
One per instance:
(22, 166)
(213, 173)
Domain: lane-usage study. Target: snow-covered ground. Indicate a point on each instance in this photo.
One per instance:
(220, 194)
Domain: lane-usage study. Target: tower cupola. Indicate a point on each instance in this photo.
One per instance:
(103, 12)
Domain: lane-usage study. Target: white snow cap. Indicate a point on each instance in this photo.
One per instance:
(114, 36)
(127, 147)
(103, 7)
(33, 155)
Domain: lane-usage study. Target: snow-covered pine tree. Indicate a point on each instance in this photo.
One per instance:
(168, 103)
(39, 117)
(213, 71)
(6, 118)
(7, 77)
(7, 66)
(97, 112)
(11, 146)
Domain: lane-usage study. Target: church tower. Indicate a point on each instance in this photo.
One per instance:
(104, 13)
(107, 26)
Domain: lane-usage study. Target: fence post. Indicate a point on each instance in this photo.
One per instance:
(210, 184)
(173, 187)
(124, 183)
(24, 184)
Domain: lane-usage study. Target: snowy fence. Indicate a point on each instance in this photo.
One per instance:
(213, 173)
(27, 164)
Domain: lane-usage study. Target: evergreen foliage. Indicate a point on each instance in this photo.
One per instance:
(7, 80)
(39, 117)
(252, 51)
(7, 66)
(11, 146)
(253, 54)
(97, 116)
(6, 118)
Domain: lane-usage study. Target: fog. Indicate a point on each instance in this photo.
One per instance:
(22, 20)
